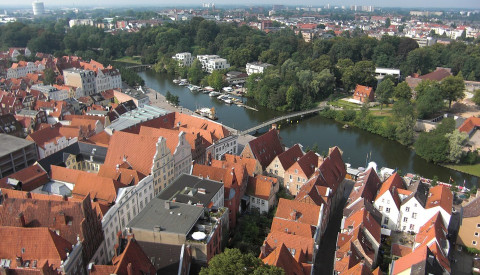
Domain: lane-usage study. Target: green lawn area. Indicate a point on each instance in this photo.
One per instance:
(344, 104)
(473, 169)
(130, 59)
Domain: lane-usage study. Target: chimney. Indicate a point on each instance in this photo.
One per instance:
(21, 219)
(130, 269)
(167, 205)
(19, 261)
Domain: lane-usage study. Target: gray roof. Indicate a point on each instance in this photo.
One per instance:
(10, 144)
(57, 188)
(134, 117)
(179, 218)
(26, 112)
(419, 191)
(185, 190)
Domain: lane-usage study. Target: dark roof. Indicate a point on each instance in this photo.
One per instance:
(266, 147)
(437, 75)
(164, 257)
(185, 189)
(177, 218)
(472, 209)
(83, 150)
(419, 191)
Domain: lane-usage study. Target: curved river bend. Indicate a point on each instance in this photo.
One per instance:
(356, 144)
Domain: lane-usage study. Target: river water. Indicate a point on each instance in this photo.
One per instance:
(358, 146)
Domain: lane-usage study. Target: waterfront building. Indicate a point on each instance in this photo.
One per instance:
(256, 67)
(184, 59)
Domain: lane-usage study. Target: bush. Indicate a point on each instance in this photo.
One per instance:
(328, 113)
(470, 157)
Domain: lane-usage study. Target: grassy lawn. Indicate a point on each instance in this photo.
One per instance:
(473, 169)
(130, 59)
(345, 104)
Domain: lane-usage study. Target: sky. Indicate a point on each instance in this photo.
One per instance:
(462, 4)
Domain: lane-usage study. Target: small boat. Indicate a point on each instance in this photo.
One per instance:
(345, 126)
(228, 101)
(176, 81)
(214, 94)
(207, 112)
(183, 83)
(193, 88)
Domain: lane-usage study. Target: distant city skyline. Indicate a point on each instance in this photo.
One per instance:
(441, 4)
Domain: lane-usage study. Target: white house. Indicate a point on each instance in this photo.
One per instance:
(213, 62)
(256, 67)
(226, 145)
(21, 69)
(388, 201)
(108, 79)
(184, 59)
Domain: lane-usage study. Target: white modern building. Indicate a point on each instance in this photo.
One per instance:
(211, 63)
(256, 67)
(184, 59)
(380, 73)
(38, 8)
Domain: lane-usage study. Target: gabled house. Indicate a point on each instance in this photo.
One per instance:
(264, 148)
(365, 188)
(284, 161)
(363, 93)
(262, 191)
(282, 257)
(300, 172)
(54, 138)
(388, 201)
(420, 261)
(412, 209)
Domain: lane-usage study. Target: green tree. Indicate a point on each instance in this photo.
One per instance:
(233, 261)
(293, 97)
(456, 140)
(476, 97)
(402, 91)
(195, 72)
(429, 99)
(384, 92)
(48, 77)
(404, 132)
(387, 22)
(452, 88)
(215, 79)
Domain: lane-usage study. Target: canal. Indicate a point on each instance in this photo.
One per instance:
(357, 144)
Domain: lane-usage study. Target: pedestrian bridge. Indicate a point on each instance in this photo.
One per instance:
(277, 119)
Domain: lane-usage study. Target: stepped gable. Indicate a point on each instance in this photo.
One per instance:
(290, 156)
(126, 177)
(282, 257)
(266, 147)
(392, 184)
(440, 195)
(136, 150)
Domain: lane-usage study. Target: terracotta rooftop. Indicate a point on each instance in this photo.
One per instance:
(299, 246)
(31, 177)
(469, 124)
(363, 90)
(133, 261)
(261, 187)
(249, 163)
(99, 188)
(440, 195)
(33, 244)
(316, 193)
(400, 250)
(306, 164)
(292, 227)
(282, 257)
(392, 184)
(65, 174)
(366, 187)
(472, 208)
(298, 211)
(437, 75)
(53, 134)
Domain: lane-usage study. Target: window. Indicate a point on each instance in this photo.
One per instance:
(388, 201)
(380, 208)
(385, 221)
(412, 227)
(296, 171)
(474, 242)
(478, 225)
(476, 234)
(414, 215)
(407, 209)
(298, 179)
(387, 209)
(405, 219)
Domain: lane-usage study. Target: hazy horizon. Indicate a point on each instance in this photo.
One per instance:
(427, 4)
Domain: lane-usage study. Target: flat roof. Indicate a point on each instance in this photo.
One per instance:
(179, 218)
(10, 144)
(185, 190)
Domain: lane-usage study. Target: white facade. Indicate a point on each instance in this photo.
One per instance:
(380, 73)
(38, 8)
(227, 145)
(184, 59)
(79, 78)
(74, 263)
(217, 64)
(412, 216)
(17, 70)
(52, 147)
(107, 80)
(130, 201)
(390, 213)
(256, 67)
(58, 95)
(182, 156)
(80, 22)
(262, 205)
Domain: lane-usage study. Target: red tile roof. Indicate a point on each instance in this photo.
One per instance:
(292, 227)
(440, 195)
(39, 244)
(363, 90)
(282, 257)
(311, 191)
(31, 177)
(65, 174)
(100, 139)
(133, 261)
(437, 75)
(137, 150)
(266, 147)
(306, 165)
(332, 171)
(366, 187)
(53, 134)
(99, 188)
(365, 219)
(298, 211)
(392, 184)
(469, 124)
(300, 247)
(249, 163)
(406, 262)
(127, 177)
(261, 187)
(400, 250)
(359, 269)
(290, 156)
